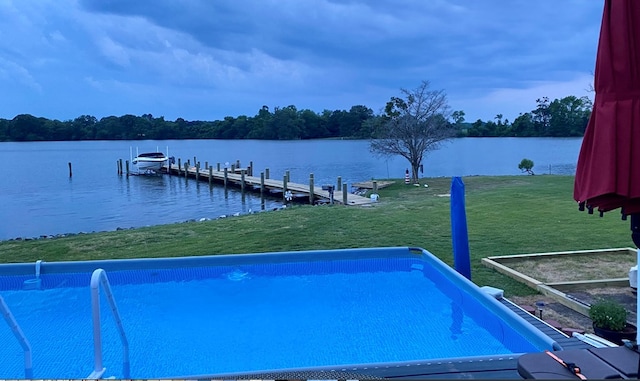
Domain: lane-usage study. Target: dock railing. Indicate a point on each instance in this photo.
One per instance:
(22, 339)
(99, 277)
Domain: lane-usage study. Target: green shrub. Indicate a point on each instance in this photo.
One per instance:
(609, 315)
(526, 165)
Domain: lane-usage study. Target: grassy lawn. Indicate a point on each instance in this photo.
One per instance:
(505, 215)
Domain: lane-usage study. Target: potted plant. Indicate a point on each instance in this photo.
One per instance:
(609, 320)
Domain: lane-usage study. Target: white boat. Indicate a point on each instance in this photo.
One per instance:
(151, 161)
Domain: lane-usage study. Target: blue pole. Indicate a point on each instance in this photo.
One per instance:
(459, 233)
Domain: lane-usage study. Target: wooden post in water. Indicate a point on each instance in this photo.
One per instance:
(266, 173)
(194, 160)
(233, 168)
(218, 167)
(210, 175)
(206, 165)
(186, 169)
(127, 168)
(242, 181)
(197, 171)
(284, 188)
(261, 184)
(375, 186)
(344, 194)
(225, 178)
(70, 171)
(179, 165)
(237, 163)
(288, 174)
(339, 183)
(250, 168)
(311, 188)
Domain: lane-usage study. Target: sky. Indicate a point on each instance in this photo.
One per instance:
(208, 59)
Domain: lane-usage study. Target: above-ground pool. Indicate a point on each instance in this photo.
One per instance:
(211, 315)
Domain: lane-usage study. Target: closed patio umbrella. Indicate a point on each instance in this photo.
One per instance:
(459, 233)
(608, 170)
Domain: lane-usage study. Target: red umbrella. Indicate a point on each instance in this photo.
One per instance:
(608, 170)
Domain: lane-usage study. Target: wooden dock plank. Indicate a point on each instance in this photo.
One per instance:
(270, 184)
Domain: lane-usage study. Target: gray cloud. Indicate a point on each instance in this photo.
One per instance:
(208, 59)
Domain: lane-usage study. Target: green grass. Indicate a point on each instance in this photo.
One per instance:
(505, 215)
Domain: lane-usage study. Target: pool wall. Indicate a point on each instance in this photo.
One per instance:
(507, 325)
(482, 298)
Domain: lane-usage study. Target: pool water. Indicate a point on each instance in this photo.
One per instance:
(250, 317)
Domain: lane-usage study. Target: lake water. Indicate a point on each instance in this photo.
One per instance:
(37, 196)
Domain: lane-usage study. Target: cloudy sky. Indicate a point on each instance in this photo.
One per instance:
(207, 59)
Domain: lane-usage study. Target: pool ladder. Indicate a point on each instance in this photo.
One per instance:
(99, 277)
(22, 339)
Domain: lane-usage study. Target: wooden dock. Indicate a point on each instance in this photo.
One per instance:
(241, 178)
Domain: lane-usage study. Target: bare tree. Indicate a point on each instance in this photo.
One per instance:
(414, 125)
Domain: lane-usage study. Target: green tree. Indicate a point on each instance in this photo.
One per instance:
(315, 125)
(526, 165)
(286, 123)
(542, 117)
(27, 127)
(415, 124)
(569, 116)
(262, 125)
(523, 125)
(354, 119)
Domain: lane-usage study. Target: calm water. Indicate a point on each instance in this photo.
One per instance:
(229, 319)
(37, 196)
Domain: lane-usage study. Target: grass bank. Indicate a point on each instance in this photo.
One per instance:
(505, 215)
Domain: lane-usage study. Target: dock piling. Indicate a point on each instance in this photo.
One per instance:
(311, 188)
(344, 194)
(284, 188)
(70, 171)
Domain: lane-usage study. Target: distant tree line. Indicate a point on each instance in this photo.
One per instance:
(564, 117)
(559, 118)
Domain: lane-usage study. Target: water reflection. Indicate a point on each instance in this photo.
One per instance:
(96, 198)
